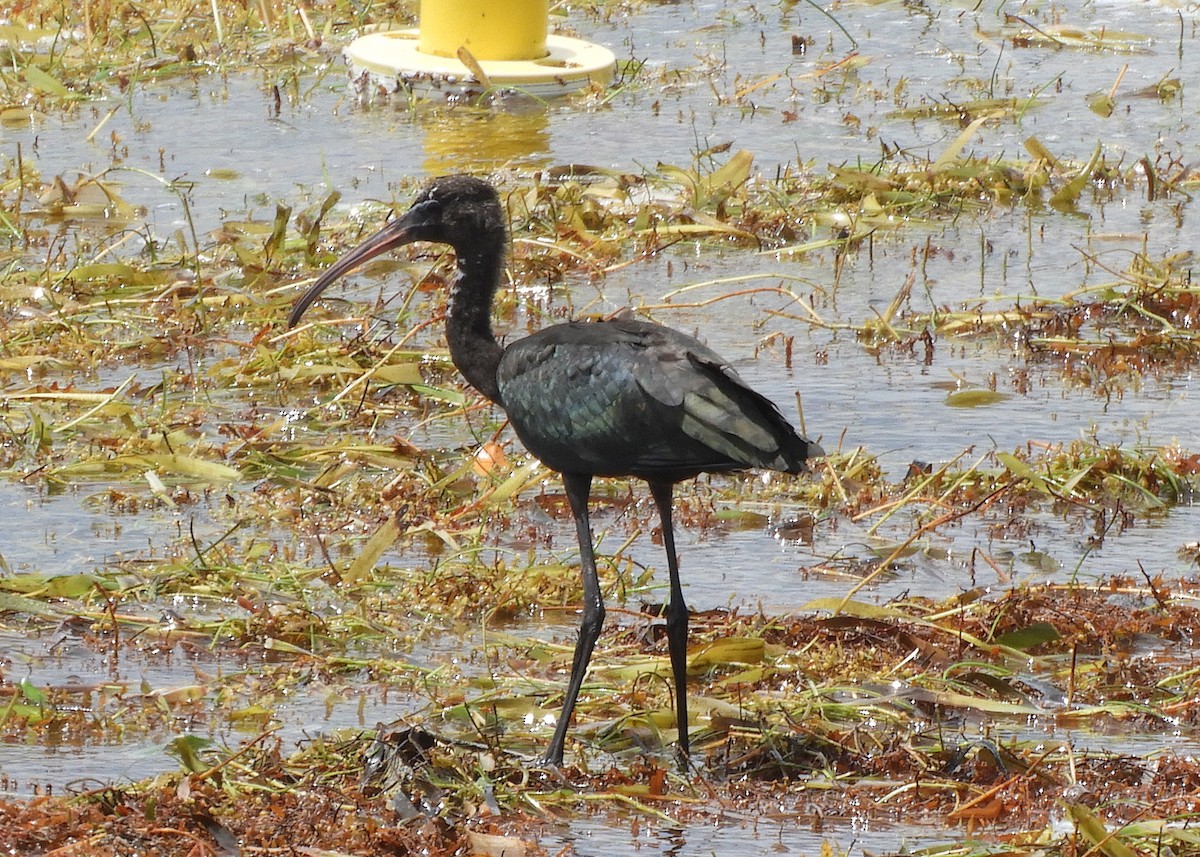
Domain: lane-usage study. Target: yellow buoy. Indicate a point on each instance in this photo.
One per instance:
(512, 30)
(464, 48)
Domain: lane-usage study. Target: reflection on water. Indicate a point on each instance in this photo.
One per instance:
(772, 833)
(516, 135)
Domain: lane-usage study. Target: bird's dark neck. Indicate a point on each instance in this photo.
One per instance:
(473, 346)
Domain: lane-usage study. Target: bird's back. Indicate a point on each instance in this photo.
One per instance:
(630, 398)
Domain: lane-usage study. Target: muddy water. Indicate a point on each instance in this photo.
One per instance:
(714, 73)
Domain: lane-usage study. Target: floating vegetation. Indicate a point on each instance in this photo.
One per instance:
(1145, 322)
(1023, 32)
(879, 701)
(412, 544)
(330, 525)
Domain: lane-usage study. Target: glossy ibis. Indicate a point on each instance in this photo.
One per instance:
(620, 397)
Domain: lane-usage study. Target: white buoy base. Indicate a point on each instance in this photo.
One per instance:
(391, 60)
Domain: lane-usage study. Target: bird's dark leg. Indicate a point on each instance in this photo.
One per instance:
(677, 616)
(578, 486)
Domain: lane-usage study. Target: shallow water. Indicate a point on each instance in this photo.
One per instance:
(219, 134)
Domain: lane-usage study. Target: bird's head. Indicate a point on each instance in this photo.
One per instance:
(458, 210)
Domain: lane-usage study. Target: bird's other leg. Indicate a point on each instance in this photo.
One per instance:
(578, 486)
(677, 616)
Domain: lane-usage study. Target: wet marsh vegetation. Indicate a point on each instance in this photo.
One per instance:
(954, 243)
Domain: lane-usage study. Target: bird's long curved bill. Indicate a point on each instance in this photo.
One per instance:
(394, 234)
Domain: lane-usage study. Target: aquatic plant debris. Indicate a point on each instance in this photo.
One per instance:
(291, 537)
(908, 745)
